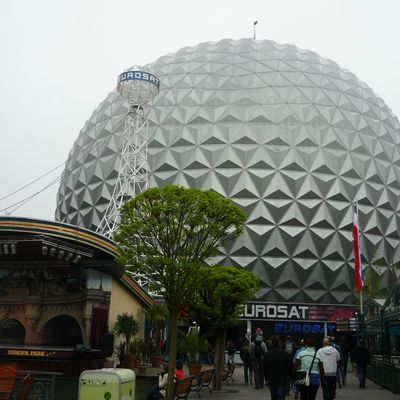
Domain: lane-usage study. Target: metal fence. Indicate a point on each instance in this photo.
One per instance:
(385, 374)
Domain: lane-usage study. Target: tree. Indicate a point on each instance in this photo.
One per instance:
(372, 283)
(222, 292)
(167, 234)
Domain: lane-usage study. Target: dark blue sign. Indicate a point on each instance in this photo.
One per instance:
(139, 76)
(302, 327)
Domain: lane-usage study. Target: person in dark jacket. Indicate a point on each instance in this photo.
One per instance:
(258, 350)
(277, 369)
(361, 357)
(245, 356)
(231, 350)
(344, 348)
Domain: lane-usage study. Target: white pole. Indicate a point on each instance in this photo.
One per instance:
(254, 29)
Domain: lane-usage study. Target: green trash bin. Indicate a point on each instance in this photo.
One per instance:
(107, 384)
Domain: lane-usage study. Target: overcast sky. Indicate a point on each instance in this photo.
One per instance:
(60, 58)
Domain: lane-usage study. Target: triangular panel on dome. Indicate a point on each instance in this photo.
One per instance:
(278, 188)
(319, 273)
(320, 221)
(315, 285)
(291, 230)
(274, 260)
(258, 118)
(242, 261)
(286, 283)
(289, 95)
(198, 178)
(257, 231)
(199, 120)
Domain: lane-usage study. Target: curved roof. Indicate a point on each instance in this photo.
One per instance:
(59, 230)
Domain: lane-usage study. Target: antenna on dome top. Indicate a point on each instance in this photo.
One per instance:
(254, 29)
(138, 87)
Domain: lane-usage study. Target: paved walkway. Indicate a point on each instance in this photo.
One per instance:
(237, 391)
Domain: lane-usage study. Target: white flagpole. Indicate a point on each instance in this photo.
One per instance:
(361, 293)
(359, 252)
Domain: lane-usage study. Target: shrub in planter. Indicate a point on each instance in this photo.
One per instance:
(193, 344)
(157, 316)
(128, 327)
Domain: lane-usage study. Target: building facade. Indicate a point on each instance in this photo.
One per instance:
(60, 293)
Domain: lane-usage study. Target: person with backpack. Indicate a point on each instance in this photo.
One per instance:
(245, 356)
(258, 350)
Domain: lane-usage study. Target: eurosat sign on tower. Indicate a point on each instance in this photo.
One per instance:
(139, 76)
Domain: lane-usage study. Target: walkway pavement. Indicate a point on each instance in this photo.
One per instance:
(238, 391)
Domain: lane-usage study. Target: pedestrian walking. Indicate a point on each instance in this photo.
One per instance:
(231, 349)
(308, 361)
(339, 380)
(361, 357)
(277, 368)
(245, 356)
(344, 349)
(330, 358)
(289, 347)
(298, 349)
(258, 350)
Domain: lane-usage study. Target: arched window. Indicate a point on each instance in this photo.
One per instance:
(11, 331)
(62, 330)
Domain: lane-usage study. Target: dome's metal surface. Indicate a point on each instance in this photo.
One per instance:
(287, 135)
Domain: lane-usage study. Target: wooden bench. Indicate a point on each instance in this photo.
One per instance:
(203, 380)
(227, 373)
(182, 387)
(8, 374)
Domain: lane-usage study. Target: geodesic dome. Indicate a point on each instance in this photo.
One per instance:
(290, 137)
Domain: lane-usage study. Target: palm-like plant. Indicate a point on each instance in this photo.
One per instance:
(126, 326)
(157, 316)
(194, 344)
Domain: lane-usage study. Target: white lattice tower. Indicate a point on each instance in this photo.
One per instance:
(138, 87)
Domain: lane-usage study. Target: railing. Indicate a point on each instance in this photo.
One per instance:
(385, 374)
(44, 384)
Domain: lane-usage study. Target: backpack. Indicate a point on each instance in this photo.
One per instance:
(289, 347)
(258, 351)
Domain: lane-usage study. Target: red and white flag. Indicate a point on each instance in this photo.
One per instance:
(357, 256)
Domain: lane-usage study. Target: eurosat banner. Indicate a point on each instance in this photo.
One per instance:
(295, 312)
